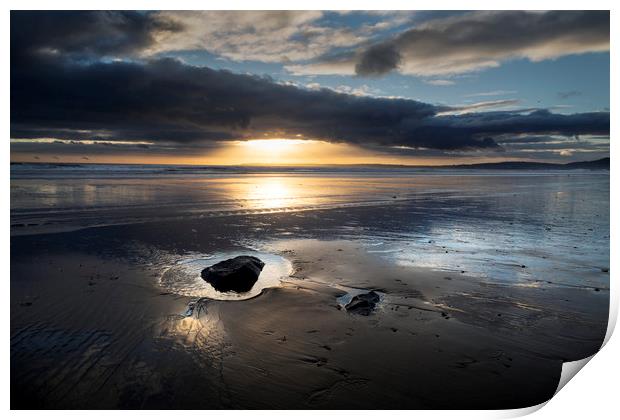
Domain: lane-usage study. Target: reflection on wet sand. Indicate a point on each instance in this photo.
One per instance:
(202, 329)
(270, 193)
(517, 228)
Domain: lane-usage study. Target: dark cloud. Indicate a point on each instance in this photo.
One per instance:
(166, 100)
(378, 60)
(483, 39)
(156, 132)
(85, 34)
(74, 94)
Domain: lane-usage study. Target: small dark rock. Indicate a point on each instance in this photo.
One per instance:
(363, 304)
(605, 270)
(235, 274)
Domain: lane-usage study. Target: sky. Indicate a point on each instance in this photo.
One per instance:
(309, 87)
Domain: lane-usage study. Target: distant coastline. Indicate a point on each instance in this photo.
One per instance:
(590, 164)
(599, 164)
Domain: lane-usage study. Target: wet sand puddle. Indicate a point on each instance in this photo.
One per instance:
(183, 278)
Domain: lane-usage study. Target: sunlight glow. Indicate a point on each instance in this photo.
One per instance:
(272, 150)
(269, 193)
(283, 151)
(274, 144)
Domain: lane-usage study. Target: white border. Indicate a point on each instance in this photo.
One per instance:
(592, 394)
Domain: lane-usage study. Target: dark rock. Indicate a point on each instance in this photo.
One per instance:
(236, 274)
(363, 304)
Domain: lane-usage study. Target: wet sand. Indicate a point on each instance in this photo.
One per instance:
(93, 327)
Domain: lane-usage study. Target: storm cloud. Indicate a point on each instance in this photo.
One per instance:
(65, 85)
(378, 60)
(86, 34)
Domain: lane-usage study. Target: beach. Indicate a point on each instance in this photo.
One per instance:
(489, 281)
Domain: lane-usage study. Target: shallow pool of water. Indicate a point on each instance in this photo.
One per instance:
(183, 277)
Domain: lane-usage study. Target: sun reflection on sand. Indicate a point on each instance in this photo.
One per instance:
(273, 192)
(203, 329)
(303, 191)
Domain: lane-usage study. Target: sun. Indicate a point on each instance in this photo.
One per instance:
(274, 145)
(271, 151)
